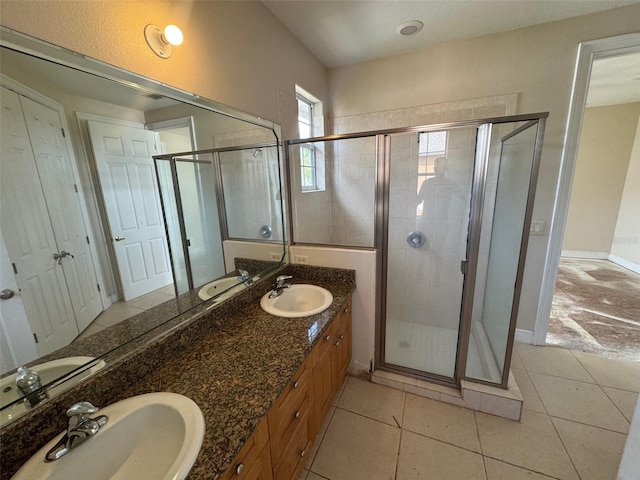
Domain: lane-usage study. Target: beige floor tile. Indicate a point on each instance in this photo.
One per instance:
(374, 401)
(624, 400)
(516, 362)
(531, 443)
(314, 476)
(497, 470)
(552, 361)
(168, 290)
(578, 401)
(422, 457)
(150, 300)
(530, 396)
(595, 452)
(336, 399)
(94, 327)
(116, 313)
(357, 448)
(319, 437)
(609, 372)
(439, 420)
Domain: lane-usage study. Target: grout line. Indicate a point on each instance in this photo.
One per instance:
(395, 474)
(475, 422)
(537, 393)
(445, 442)
(589, 425)
(521, 467)
(614, 403)
(368, 418)
(484, 464)
(564, 446)
(320, 439)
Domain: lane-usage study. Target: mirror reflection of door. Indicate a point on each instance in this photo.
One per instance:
(127, 177)
(60, 296)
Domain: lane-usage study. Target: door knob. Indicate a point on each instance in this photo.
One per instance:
(61, 255)
(119, 239)
(6, 294)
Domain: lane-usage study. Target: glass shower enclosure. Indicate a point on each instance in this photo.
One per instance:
(450, 206)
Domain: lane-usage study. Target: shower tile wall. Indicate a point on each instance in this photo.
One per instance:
(250, 199)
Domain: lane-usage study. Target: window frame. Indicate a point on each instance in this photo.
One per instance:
(312, 166)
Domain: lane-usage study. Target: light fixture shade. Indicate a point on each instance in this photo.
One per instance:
(173, 35)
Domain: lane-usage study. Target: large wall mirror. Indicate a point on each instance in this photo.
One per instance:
(124, 203)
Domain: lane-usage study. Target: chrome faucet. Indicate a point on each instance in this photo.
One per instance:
(280, 285)
(245, 277)
(81, 427)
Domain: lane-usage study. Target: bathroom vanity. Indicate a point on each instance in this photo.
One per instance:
(263, 383)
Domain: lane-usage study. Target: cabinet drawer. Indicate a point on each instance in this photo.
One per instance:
(250, 459)
(291, 409)
(293, 457)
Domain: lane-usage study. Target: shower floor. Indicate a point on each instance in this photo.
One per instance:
(427, 348)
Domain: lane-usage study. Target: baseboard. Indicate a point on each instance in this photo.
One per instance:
(623, 262)
(580, 254)
(524, 336)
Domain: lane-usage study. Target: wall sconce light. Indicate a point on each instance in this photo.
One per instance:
(161, 42)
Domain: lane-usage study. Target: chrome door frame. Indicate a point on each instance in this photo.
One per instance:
(383, 161)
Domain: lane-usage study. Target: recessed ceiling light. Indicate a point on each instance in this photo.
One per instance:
(409, 28)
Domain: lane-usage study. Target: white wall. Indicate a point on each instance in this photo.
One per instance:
(537, 62)
(236, 53)
(606, 141)
(364, 315)
(625, 249)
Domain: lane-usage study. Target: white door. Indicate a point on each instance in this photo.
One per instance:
(29, 236)
(130, 191)
(53, 161)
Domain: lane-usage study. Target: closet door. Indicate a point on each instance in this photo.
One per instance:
(29, 236)
(54, 164)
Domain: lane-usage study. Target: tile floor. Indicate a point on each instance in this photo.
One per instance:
(122, 310)
(577, 409)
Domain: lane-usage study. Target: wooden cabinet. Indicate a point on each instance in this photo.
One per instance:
(254, 460)
(278, 449)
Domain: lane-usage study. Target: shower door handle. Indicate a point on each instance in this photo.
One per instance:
(464, 265)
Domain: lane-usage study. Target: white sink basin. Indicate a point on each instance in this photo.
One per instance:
(228, 285)
(48, 371)
(299, 300)
(151, 436)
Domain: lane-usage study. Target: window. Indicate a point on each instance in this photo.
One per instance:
(431, 146)
(308, 164)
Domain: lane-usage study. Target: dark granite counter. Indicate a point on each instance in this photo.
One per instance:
(233, 360)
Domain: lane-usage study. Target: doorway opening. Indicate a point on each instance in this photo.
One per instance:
(589, 300)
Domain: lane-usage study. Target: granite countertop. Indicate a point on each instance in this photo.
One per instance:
(236, 374)
(232, 358)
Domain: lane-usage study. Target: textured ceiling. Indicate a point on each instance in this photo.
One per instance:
(615, 80)
(344, 31)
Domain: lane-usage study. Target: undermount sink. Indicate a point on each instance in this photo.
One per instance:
(300, 300)
(48, 372)
(232, 284)
(151, 436)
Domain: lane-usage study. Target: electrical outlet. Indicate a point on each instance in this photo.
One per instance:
(302, 259)
(276, 257)
(537, 228)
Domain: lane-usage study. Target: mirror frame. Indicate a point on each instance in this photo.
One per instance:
(34, 47)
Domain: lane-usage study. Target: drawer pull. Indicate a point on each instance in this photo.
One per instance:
(341, 337)
(296, 384)
(239, 468)
(327, 338)
(337, 344)
(346, 310)
(302, 453)
(297, 414)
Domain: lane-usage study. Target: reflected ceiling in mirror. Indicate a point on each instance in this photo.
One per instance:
(100, 198)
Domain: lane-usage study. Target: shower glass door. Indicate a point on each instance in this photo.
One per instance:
(430, 178)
